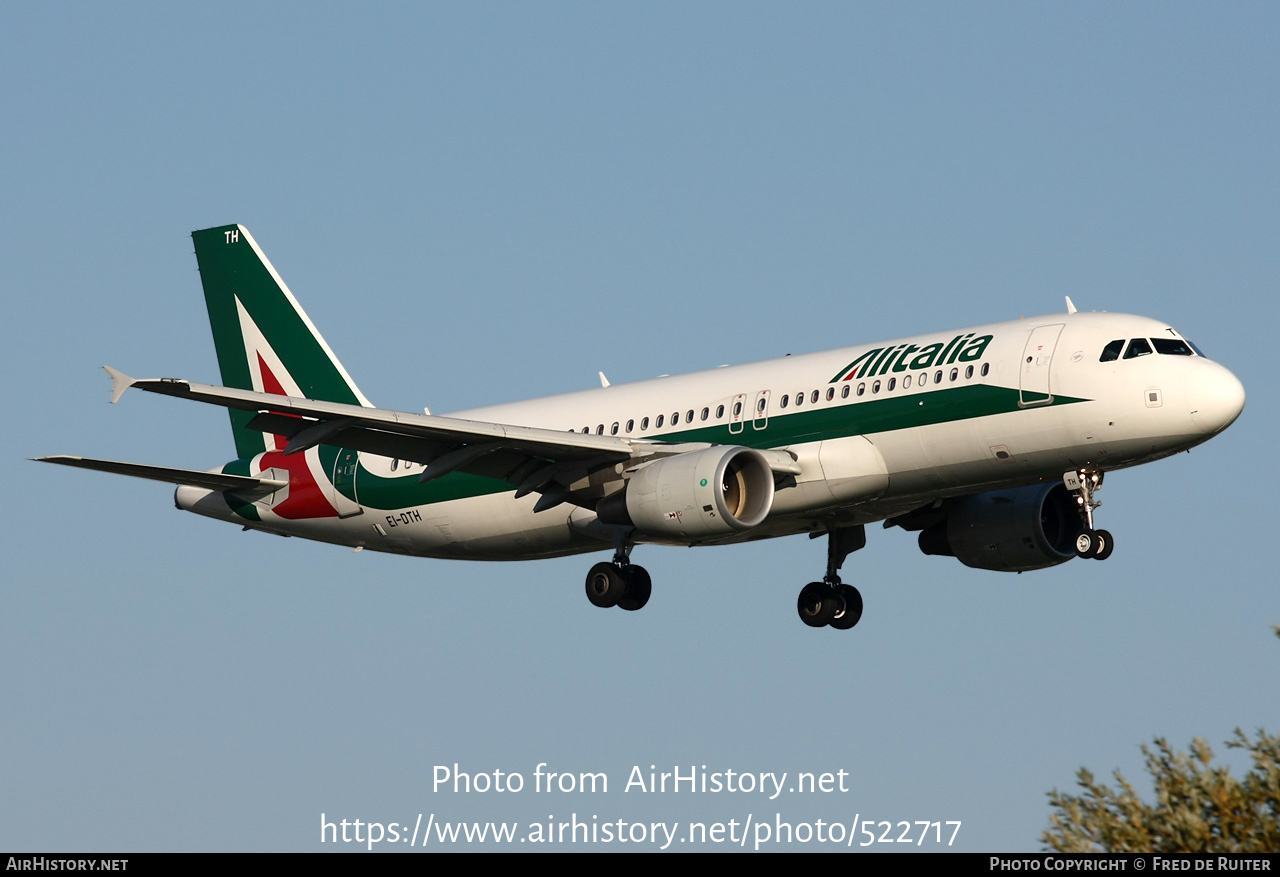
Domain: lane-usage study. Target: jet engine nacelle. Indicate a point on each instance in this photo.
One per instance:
(696, 495)
(1008, 530)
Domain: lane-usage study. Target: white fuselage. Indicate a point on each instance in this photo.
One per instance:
(882, 438)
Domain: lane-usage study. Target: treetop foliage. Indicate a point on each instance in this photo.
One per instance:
(1199, 807)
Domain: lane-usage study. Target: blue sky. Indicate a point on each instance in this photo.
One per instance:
(484, 202)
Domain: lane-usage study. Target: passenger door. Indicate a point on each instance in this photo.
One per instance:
(1037, 357)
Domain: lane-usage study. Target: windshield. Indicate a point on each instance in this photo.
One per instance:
(1138, 347)
(1172, 346)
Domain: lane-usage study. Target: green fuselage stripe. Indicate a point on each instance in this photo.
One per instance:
(819, 423)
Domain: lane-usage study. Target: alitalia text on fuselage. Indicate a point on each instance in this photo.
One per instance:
(903, 357)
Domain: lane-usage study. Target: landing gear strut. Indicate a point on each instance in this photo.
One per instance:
(1084, 483)
(619, 582)
(831, 601)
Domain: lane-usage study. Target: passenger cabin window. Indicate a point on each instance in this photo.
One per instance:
(986, 367)
(631, 424)
(906, 382)
(720, 410)
(706, 412)
(658, 424)
(1171, 346)
(675, 418)
(1138, 347)
(785, 399)
(893, 382)
(613, 430)
(831, 393)
(1111, 352)
(844, 394)
(815, 396)
(644, 424)
(799, 399)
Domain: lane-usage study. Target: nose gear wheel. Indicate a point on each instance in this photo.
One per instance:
(1090, 543)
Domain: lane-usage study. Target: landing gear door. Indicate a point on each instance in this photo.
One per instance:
(343, 490)
(1033, 386)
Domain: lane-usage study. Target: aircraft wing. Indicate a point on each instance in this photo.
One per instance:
(242, 484)
(561, 466)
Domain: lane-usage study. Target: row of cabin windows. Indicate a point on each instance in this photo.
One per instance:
(1143, 347)
(890, 385)
(692, 415)
(658, 421)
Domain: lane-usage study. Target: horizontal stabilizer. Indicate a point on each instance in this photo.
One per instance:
(241, 484)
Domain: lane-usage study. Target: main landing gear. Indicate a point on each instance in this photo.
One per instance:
(619, 582)
(1084, 483)
(831, 602)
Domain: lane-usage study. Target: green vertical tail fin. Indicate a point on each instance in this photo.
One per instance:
(265, 341)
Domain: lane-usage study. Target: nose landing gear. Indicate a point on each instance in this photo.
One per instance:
(1091, 543)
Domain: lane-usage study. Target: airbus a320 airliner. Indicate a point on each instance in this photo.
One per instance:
(990, 441)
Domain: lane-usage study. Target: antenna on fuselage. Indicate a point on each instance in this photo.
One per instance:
(1071, 308)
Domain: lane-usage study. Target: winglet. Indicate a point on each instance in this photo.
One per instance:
(119, 382)
(1071, 307)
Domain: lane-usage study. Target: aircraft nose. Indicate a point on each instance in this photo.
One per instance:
(1216, 398)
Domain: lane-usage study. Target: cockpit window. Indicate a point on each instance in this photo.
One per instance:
(1138, 347)
(1198, 351)
(1111, 352)
(1171, 346)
